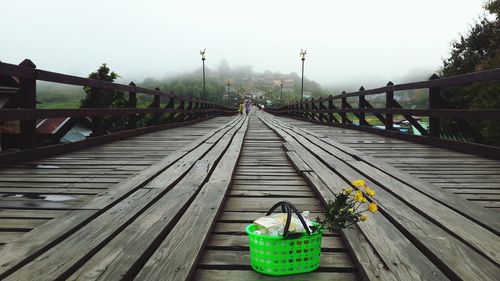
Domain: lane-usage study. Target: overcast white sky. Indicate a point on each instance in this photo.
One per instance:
(346, 40)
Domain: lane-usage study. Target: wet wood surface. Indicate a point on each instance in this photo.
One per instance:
(63, 182)
(174, 204)
(260, 183)
(446, 241)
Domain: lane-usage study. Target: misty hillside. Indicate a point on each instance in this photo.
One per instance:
(243, 81)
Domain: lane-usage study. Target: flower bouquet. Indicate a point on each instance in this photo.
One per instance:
(348, 208)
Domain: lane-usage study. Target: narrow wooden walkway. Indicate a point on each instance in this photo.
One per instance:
(264, 176)
(180, 214)
(421, 233)
(34, 192)
(151, 226)
(471, 177)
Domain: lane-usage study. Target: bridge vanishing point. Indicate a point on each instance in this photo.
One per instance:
(170, 200)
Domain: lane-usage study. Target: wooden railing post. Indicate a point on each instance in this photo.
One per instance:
(95, 101)
(306, 108)
(189, 107)
(132, 103)
(343, 105)
(156, 104)
(208, 106)
(27, 93)
(181, 106)
(330, 107)
(171, 106)
(389, 104)
(203, 107)
(434, 103)
(321, 106)
(361, 105)
(196, 114)
(311, 106)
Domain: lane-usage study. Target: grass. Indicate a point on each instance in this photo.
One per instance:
(59, 105)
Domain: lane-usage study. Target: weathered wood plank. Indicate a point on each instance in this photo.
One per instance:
(14, 224)
(28, 247)
(8, 236)
(389, 248)
(240, 242)
(249, 216)
(263, 204)
(241, 259)
(176, 257)
(474, 234)
(257, 186)
(445, 254)
(22, 214)
(247, 275)
(119, 256)
(271, 193)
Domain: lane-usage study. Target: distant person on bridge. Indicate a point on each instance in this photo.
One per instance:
(240, 110)
(247, 107)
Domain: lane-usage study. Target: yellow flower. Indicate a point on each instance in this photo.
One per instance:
(348, 190)
(370, 192)
(358, 183)
(372, 207)
(364, 200)
(363, 217)
(358, 196)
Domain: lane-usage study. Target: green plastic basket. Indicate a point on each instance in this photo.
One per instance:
(282, 255)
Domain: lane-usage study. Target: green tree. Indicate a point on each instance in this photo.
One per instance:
(110, 98)
(478, 50)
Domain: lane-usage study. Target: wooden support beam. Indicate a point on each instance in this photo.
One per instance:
(132, 103)
(27, 93)
(389, 103)
(361, 105)
(434, 103)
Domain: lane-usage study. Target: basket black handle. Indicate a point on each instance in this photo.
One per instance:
(288, 207)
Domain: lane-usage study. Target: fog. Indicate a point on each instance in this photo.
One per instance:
(346, 41)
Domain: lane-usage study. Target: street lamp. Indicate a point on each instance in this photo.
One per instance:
(202, 53)
(228, 83)
(281, 87)
(303, 58)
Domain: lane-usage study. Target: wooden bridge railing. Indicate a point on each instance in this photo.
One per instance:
(179, 110)
(324, 111)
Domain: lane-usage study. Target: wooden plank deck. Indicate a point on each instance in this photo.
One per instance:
(115, 234)
(421, 233)
(471, 177)
(173, 205)
(34, 192)
(263, 177)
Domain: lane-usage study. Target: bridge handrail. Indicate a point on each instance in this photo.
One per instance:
(48, 76)
(179, 109)
(323, 110)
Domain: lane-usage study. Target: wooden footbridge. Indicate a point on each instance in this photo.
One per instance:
(170, 200)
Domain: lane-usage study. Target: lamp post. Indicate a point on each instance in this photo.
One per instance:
(202, 53)
(303, 58)
(281, 89)
(228, 83)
